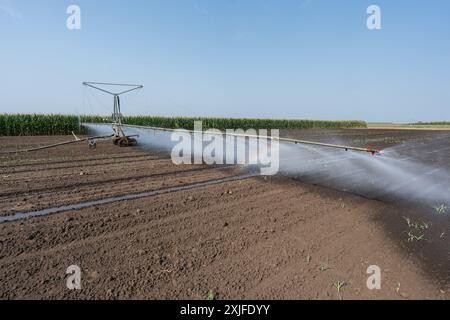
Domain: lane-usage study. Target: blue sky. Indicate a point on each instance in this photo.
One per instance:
(248, 58)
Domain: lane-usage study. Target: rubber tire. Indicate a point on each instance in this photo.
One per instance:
(132, 142)
(123, 142)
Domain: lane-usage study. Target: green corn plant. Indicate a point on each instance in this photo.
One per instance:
(34, 124)
(51, 124)
(339, 285)
(441, 209)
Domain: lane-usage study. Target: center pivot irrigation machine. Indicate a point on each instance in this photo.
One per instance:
(119, 138)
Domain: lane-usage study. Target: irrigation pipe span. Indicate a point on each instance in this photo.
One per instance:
(296, 141)
(328, 145)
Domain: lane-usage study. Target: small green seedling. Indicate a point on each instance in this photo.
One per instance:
(412, 237)
(416, 225)
(441, 209)
(339, 285)
(408, 221)
(211, 295)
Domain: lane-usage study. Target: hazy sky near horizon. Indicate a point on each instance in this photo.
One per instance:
(311, 59)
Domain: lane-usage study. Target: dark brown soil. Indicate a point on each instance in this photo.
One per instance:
(272, 238)
(377, 138)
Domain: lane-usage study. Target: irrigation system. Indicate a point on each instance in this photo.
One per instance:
(119, 137)
(371, 150)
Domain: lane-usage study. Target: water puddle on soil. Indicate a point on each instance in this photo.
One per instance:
(133, 196)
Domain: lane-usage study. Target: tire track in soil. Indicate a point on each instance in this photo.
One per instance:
(57, 197)
(155, 219)
(100, 182)
(117, 169)
(89, 165)
(132, 196)
(83, 160)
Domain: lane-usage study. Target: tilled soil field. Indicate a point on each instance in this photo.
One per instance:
(251, 237)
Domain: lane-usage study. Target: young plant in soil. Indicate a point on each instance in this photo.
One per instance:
(440, 209)
(211, 295)
(416, 230)
(339, 285)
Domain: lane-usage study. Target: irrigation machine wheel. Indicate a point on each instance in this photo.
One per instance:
(132, 142)
(123, 142)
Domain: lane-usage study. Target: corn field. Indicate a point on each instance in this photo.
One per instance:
(229, 123)
(434, 123)
(37, 124)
